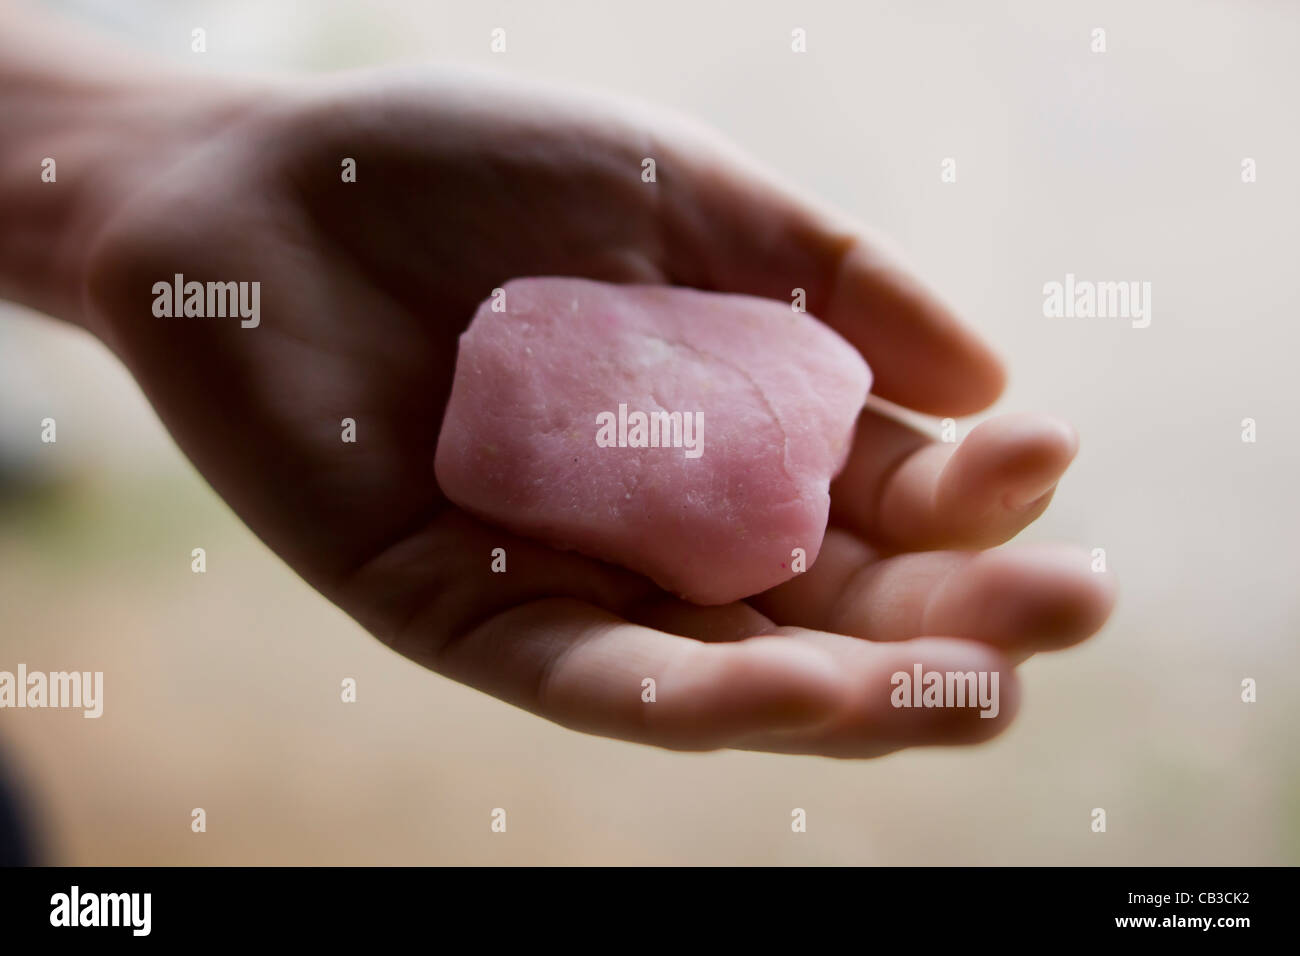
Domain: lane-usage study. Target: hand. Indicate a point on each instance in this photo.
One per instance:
(462, 183)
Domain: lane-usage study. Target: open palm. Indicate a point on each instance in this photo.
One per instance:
(462, 183)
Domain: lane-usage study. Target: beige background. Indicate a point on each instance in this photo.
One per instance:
(222, 690)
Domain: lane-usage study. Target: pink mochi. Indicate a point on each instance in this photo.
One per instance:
(533, 439)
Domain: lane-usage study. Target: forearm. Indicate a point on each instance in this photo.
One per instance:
(83, 126)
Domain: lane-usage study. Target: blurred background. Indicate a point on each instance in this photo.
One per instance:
(222, 690)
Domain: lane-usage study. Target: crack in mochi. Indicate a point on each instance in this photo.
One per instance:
(777, 393)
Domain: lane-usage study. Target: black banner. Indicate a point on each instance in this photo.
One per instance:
(932, 905)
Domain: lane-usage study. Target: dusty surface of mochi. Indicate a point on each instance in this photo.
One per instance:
(562, 395)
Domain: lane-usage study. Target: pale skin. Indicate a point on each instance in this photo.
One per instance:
(464, 181)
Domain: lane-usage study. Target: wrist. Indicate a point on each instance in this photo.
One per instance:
(83, 132)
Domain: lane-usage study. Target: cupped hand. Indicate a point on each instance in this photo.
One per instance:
(462, 182)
